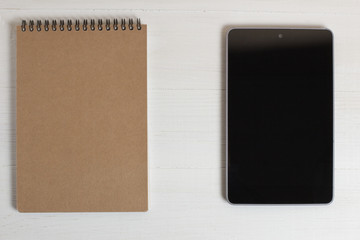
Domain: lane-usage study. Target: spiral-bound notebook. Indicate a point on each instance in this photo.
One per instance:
(81, 137)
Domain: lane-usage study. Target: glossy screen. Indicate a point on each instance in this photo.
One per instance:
(280, 116)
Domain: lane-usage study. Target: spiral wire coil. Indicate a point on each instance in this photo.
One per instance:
(69, 26)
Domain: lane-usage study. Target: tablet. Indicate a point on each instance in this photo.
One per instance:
(279, 107)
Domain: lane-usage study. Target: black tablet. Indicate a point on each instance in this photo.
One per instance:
(279, 116)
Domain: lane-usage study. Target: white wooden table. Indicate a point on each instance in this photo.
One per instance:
(186, 80)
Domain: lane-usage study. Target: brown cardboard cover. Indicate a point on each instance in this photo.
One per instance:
(81, 139)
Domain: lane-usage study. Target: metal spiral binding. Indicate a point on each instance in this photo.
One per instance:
(138, 24)
(31, 25)
(53, 25)
(38, 25)
(131, 27)
(23, 25)
(69, 23)
(107, 25)
(115, 24)
(123, 24)
(92, 25)
(61, 25)
(77, 25)
(100, 24)
(85, 23)
(46, 25)
(69, 26)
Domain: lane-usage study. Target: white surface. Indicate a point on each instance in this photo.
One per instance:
(186, 49)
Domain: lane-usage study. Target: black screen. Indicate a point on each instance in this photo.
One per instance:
(280, 116)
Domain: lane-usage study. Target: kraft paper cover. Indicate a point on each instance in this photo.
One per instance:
(81, 137)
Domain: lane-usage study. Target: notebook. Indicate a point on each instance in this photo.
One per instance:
(81, 119)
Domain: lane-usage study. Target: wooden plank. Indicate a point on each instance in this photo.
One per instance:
(271, 7)
(189, 203)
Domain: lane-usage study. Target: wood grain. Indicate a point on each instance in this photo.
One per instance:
(186, 49)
